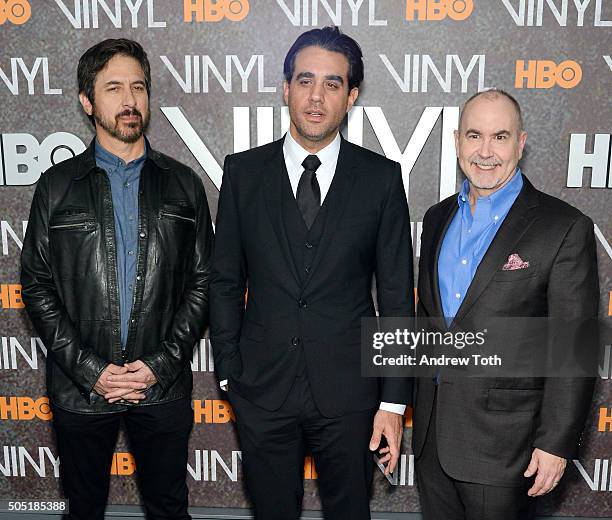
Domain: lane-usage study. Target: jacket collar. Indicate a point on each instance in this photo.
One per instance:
(87, 160)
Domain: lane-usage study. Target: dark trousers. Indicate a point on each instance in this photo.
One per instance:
(273, 448)
(443, 497)
(158, 437)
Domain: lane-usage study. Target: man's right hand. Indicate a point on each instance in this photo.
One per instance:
(132, 389)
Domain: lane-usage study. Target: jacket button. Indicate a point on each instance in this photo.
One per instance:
(143, 235)
(295, 341)
(308, 245)
(138, 277)
(302, 304)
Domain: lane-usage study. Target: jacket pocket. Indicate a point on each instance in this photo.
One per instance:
(72, 222)
(180, 212)
(253, 331)
(74, 243)
(367, 218)
(514, 399)
(175, 235)
(516, 274)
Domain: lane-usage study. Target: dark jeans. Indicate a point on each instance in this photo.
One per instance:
(158, 437)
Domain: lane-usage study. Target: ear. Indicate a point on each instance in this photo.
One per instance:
(522, 141)
(86, 104)
(286, 92)
(352, 97)
(456, 134)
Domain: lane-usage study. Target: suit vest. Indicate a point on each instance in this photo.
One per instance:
(303, 242)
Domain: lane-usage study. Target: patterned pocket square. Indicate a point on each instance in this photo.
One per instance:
(515, 262)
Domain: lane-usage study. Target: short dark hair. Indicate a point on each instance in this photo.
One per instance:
(333, 40)
(493, 92)
(95, 59)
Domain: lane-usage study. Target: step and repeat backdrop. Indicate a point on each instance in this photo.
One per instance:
(217, 89)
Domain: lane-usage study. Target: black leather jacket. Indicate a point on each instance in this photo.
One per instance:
(69, 278)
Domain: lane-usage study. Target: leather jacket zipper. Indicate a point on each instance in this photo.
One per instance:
(174, 215)
(76, 225)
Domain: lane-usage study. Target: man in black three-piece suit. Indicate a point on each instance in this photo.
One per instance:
(305, 222)
(485, 447)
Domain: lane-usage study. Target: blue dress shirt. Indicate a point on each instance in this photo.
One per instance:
(124, 181)
(467, 239)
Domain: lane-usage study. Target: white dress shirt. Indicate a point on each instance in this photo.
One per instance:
(294, 155)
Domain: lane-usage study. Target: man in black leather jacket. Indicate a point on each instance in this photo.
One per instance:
(115, 269)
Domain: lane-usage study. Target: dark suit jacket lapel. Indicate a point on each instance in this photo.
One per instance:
(274, 170)
(336, 200)
(516, 223)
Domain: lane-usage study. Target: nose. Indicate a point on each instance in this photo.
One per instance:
(129, 100)
(316, 93)
(485, 148)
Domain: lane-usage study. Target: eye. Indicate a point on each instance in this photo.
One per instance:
(139, 88)
(332, 86)
(305, 81)
(501, 137)
(473, 136)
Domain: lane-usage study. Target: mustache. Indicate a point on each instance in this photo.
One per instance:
(129, 112)
(486, 162)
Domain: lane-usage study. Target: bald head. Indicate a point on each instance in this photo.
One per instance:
(489, 141)
(493, 95)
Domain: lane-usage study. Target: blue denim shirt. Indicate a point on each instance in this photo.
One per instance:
(124, 181)
(467, 239)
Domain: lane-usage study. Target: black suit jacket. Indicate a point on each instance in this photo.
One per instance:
(366, 233)
(487, 427)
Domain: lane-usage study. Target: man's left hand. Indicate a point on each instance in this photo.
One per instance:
(548, 469)
(138, 372)
(391, 426)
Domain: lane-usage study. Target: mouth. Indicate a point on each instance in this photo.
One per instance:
(314, 115)
(130, 116)
(487, 167)
(130, 119)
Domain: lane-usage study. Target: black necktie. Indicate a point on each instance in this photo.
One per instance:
(308, 191)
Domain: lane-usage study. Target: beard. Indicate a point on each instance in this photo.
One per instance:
(316, 136)
(315, 133)
(129, 133)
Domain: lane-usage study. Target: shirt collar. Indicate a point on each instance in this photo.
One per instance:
(501, 200)
(295, 154)
(106, 158)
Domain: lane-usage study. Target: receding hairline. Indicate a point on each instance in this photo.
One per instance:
(492, 95)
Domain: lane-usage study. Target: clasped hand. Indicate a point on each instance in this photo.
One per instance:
(125, 383)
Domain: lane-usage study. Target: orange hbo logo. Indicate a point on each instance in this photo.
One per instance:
(436, 10)
(215, 10)
(123, 464)
(310, 472)
(15, 11)
(10, 296)
(605, 420)
(212, 411)
(24, 408)
(547, 74)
